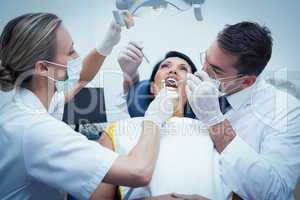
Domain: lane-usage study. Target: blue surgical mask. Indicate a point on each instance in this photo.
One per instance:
(73, 67)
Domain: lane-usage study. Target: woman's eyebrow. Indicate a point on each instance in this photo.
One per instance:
(165, 62)
(184, 65)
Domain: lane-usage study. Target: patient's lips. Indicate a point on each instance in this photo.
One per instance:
(171, 83)
(172, 86)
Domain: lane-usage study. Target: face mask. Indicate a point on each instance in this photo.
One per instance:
(217, 84)
(73, 67)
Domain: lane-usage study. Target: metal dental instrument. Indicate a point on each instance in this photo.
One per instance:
(147, 60)
(144, 56)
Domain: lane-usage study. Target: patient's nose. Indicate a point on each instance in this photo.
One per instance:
(173, 70)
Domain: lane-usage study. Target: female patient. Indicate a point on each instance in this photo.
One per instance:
(186, 159)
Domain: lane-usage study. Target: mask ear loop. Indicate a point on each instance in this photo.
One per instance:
(53, 63)
(239, 76)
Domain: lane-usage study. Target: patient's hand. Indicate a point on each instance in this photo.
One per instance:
(188, 197)
(177, 197)
(163, 197)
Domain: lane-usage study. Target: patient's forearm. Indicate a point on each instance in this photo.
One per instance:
(136, 168)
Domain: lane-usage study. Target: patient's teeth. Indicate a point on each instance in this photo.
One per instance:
(170, 82)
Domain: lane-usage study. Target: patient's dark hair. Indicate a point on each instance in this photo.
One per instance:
(172, 54)
(251, 42)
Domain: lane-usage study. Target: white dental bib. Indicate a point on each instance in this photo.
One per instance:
(186, 163)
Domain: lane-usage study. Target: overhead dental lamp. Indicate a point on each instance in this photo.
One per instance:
(128, 8)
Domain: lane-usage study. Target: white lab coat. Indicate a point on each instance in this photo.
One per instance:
(57, 105)
(262, 162)
(42, 157)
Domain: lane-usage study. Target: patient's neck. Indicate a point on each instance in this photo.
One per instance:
(178, 108)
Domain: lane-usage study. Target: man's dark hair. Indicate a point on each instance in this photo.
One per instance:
(172, 54)
(251, 42)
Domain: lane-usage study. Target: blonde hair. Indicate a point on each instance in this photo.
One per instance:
(24, 41)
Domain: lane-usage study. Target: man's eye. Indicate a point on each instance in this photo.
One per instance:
(216, 71)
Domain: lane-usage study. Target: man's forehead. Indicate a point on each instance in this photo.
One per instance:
(220, 57)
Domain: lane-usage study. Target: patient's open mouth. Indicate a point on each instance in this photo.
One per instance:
(171, 83)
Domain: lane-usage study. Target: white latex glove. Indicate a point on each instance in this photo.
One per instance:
(161, 108)
(130, 58)
(203, 98)
(112, 38)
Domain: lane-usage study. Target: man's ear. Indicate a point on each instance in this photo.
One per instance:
(249, 80)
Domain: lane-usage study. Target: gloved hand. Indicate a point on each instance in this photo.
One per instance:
(112, 38)
(203, 97)
(161, 108)
(130, 58)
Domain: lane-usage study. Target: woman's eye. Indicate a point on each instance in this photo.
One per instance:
(184, 69)
(164, 66)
